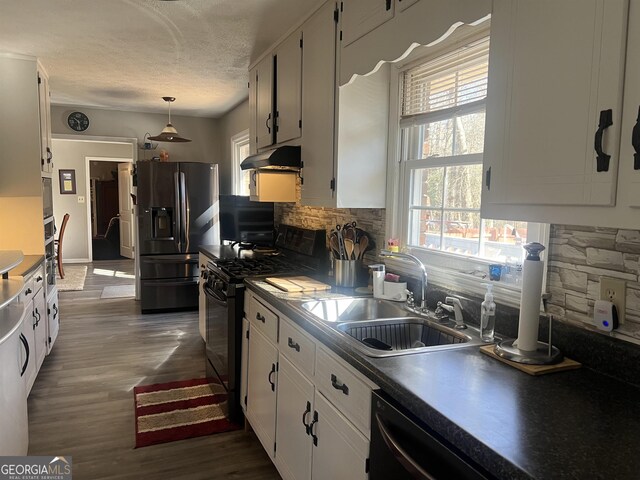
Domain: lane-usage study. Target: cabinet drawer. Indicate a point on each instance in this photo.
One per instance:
(341, 385)
(28, 291)
(263, 319)
(297, 346)
(38, 279)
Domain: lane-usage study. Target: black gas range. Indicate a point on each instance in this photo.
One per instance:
(299, 252)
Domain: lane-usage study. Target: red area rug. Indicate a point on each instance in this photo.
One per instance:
(177, 410)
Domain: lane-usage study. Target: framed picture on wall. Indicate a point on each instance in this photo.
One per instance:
(67, 182)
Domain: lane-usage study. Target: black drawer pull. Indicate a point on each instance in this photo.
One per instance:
(39, 278)
(339, 386)
(635, 141)
(273, 370)
(29, 291)
(307, 426)
(260, 318)
(293, 345)
(313, 422)
(602, 160)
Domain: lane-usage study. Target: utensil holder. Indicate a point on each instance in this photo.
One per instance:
(346, 272)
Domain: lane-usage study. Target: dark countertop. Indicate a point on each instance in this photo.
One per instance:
(570, 425)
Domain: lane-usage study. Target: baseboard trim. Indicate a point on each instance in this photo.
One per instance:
(75, 260)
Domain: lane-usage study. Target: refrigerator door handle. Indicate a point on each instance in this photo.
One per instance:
(178, 211)
(184, 214)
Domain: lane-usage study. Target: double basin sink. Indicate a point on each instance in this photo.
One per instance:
(381, 328)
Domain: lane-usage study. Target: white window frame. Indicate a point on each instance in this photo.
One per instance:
(238, 141)
(446, 269)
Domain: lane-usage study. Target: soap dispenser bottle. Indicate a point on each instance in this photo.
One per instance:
(488, 315)
(378, 273)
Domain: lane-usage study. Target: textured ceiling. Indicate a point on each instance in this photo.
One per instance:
(127, 54)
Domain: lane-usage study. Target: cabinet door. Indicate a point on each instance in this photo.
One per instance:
(289, 89)
(318, 108)
(629, 169)
(295, 408)
(53, 319)
(547, 90)
(253, 110)
(39, 315)
(340, 450)
(28, 357)
(264, 103)
(402, 5)
(45, 124)
(244, 364)
(359, 17)
(261, 389)
(13, 403)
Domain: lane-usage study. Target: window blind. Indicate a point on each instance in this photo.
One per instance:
(454, 82)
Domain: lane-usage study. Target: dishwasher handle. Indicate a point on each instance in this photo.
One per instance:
(409, 464)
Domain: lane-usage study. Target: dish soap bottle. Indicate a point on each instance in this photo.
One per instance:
(487, 315)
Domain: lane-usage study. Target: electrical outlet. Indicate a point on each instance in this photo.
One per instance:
(614, 291)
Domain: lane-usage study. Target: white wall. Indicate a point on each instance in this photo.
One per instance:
(234, 122)
(203, 132)
(71, 154)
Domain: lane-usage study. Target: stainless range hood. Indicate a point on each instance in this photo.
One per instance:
(281, 158)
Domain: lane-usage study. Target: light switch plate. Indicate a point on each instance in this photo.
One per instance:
(80, 199)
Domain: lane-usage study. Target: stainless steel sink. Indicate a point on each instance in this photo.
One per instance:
(381, 328)
(353, 309)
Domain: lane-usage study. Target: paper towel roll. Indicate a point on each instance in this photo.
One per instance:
(532, 271)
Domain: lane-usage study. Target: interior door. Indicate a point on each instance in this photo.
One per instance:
(125, 209)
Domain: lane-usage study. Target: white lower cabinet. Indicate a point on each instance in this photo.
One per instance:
(27, 355)
(261, 389)
(53, 319)
(308, 436)
(339, 449)
(244, 364)
(39, 318)
(294, 414)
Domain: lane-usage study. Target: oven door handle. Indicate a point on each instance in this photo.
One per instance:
(400, 454)
(213, 296)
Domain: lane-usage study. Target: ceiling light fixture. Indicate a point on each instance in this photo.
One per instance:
(169, 133)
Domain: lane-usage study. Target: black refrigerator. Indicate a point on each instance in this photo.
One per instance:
(177, 212)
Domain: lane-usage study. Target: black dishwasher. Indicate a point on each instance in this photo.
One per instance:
(403, 449)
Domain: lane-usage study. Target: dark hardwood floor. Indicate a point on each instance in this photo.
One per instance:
(82, 403)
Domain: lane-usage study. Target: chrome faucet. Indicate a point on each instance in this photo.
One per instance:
(423, 271)
(453, 305)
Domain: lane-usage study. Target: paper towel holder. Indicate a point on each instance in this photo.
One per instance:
(545, 354)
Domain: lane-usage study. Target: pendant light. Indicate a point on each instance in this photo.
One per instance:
(169, 133)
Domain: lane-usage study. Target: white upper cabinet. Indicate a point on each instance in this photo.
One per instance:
(360, 17)
(344, 132)
(289, 88)
(44, 111)
(554, 93)
(264, 103)
(561, 111)
(275, 95)
(629, 163)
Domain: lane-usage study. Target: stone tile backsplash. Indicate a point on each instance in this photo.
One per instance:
(578, 258)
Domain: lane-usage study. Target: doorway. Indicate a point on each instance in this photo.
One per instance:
(110, 208)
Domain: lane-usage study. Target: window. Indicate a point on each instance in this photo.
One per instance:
(442, 115)
(240, 151)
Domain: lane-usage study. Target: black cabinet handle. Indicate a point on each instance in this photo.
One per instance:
(267, 123)
(49, 155)
(24, 341)
(35, 318)
(388, 7)
(311, 425)
(307, 427)
(261, 318)
(55, 309)
(293, 345)
(273, 370)
(602, 160)
(29, 291)
(635, 141)
(339, 386)
(487, 179)
(39, 278)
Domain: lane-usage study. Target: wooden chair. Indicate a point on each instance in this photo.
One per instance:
(58, 244)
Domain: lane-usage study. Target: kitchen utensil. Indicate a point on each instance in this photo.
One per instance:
(340, 242)
(335, 247)
(348, 248)
(356, 251)
(364, 243)
(349, 233)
